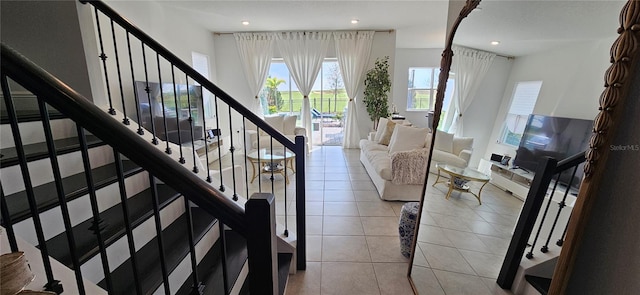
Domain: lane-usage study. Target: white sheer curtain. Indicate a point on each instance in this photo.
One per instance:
(353, 50)
(256, 52)
(303, 53)
(470, 67)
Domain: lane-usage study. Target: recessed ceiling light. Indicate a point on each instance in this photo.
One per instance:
(246, 23)
(354, 21)
(495, 42)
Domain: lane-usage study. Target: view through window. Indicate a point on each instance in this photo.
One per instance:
(423, 87)
(328, 100)
(524, 100)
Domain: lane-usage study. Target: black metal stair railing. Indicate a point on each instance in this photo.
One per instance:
(548, 172)
(17, 72)
(168, 97)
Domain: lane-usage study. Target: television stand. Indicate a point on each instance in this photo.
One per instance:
(516, 181)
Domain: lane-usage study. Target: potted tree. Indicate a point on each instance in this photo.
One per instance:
(377, 86)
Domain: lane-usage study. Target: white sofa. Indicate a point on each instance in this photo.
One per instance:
(399, 175)
(284, 124)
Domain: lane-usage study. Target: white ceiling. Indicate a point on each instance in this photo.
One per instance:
(521, 26)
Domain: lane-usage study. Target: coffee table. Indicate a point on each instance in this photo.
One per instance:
(267, 161)
(459, 177)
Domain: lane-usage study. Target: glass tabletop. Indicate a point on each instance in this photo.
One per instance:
(266, 154)
(467, 173)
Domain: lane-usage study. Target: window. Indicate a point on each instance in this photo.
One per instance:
(523, 101)
(281, 95)
(423, 84)
(201, 65)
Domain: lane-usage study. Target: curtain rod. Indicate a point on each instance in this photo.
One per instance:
(377, 31)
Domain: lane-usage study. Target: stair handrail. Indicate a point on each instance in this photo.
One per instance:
(78, 108)
(186, 68)
(547, 168)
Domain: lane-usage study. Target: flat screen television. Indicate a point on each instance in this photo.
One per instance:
(165, 93)
(557, 137)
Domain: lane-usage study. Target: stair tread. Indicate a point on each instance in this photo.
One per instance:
(38, 151)
(27, 109)
(210, 267)
(539, 283)
(140, 208)
(148, 256)
(74, 186)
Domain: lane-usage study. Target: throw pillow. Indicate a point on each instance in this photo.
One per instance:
(382, 125)
(289, 125)
(275, 122)
(407, 138)
(388, 132)
(444, 142)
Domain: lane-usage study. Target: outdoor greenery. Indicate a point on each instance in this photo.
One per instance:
(274, 97)
(377, 86)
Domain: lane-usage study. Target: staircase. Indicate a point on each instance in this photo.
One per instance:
(124, 210)
(540, 231)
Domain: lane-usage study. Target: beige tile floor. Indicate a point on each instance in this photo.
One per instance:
(352, 235)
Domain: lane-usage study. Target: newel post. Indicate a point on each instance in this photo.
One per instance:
(262, 244)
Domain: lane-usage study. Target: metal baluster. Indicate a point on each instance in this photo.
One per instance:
(561, 206)
(55, 167)
(7, 223)
(164, 113)
(259, 161)
(103, 57)
(197, 287)
(98, 224)
(271, 163)
(193, 143)
(125, 120)
(52, 284)
(223, 256)
(206, 141)
(286, 217)
(560, 241)
(175, 98)
(544, 216)
(156, 217)
(146, 89)
(215, 104)
(127, 222)
(135, 93)
(233, 161)
(246, 166)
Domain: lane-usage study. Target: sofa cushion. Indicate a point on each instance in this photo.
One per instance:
(381, 162)
(275, 122)
(462, 143)
(406, 138)
(388, 132)
(447, 158)
(382, 125)
(289, 125)
(444, 141)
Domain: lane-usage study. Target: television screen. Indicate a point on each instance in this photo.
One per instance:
(557, 137)
(187, 96)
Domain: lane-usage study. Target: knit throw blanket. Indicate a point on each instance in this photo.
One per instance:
(409, 167)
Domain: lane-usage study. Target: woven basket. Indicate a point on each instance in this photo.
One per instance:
(14, 273)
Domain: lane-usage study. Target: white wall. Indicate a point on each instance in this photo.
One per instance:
(47, 33)
(231, 77)
(406, 58)
(572, 81)
(481, 115)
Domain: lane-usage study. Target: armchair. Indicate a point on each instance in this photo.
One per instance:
(284, 124)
